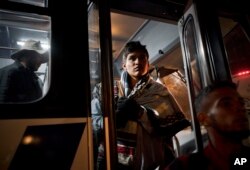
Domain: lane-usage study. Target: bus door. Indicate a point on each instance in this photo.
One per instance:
(200, 48)
(214, 40)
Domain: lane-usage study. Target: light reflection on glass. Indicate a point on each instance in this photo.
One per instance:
(29, 139)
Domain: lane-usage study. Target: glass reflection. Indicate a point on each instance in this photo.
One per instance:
(95, 80)
(192, 53)
(40, 3)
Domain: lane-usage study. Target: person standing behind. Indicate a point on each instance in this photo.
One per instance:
(18, 81)
(221, 110)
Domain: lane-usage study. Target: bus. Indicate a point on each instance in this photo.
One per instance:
(193, 43)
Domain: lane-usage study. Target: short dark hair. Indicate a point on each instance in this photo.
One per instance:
(133, 46)
(209, 89)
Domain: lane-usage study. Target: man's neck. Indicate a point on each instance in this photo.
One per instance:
(133, 82)
(225, 146)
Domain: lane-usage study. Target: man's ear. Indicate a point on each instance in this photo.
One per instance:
(203, 119)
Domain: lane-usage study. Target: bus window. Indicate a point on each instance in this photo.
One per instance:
(237, 46)
(24, 37)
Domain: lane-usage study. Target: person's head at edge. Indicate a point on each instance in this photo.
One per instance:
(31, 55)
(135, 60)
(221, 110)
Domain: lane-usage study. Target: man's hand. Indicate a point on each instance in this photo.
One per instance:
(127, 109)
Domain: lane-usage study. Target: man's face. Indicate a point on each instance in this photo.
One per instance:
(136, 64)
(227, 113)
(34, 62)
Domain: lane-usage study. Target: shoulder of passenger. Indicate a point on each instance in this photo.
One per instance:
(159, 87)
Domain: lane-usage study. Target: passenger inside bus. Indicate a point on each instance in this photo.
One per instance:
(147, 115)
(222, 111)
(97, 124)
(19, 82)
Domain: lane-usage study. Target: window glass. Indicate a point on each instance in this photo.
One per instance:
(40, 3)
(237, 47)
(190, 42)
(24, 56)
(95, 81)
(192, 54)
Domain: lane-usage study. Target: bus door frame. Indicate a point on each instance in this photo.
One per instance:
(211, 59)
(106, 65)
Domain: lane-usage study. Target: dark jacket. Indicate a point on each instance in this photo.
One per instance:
(19, 84)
